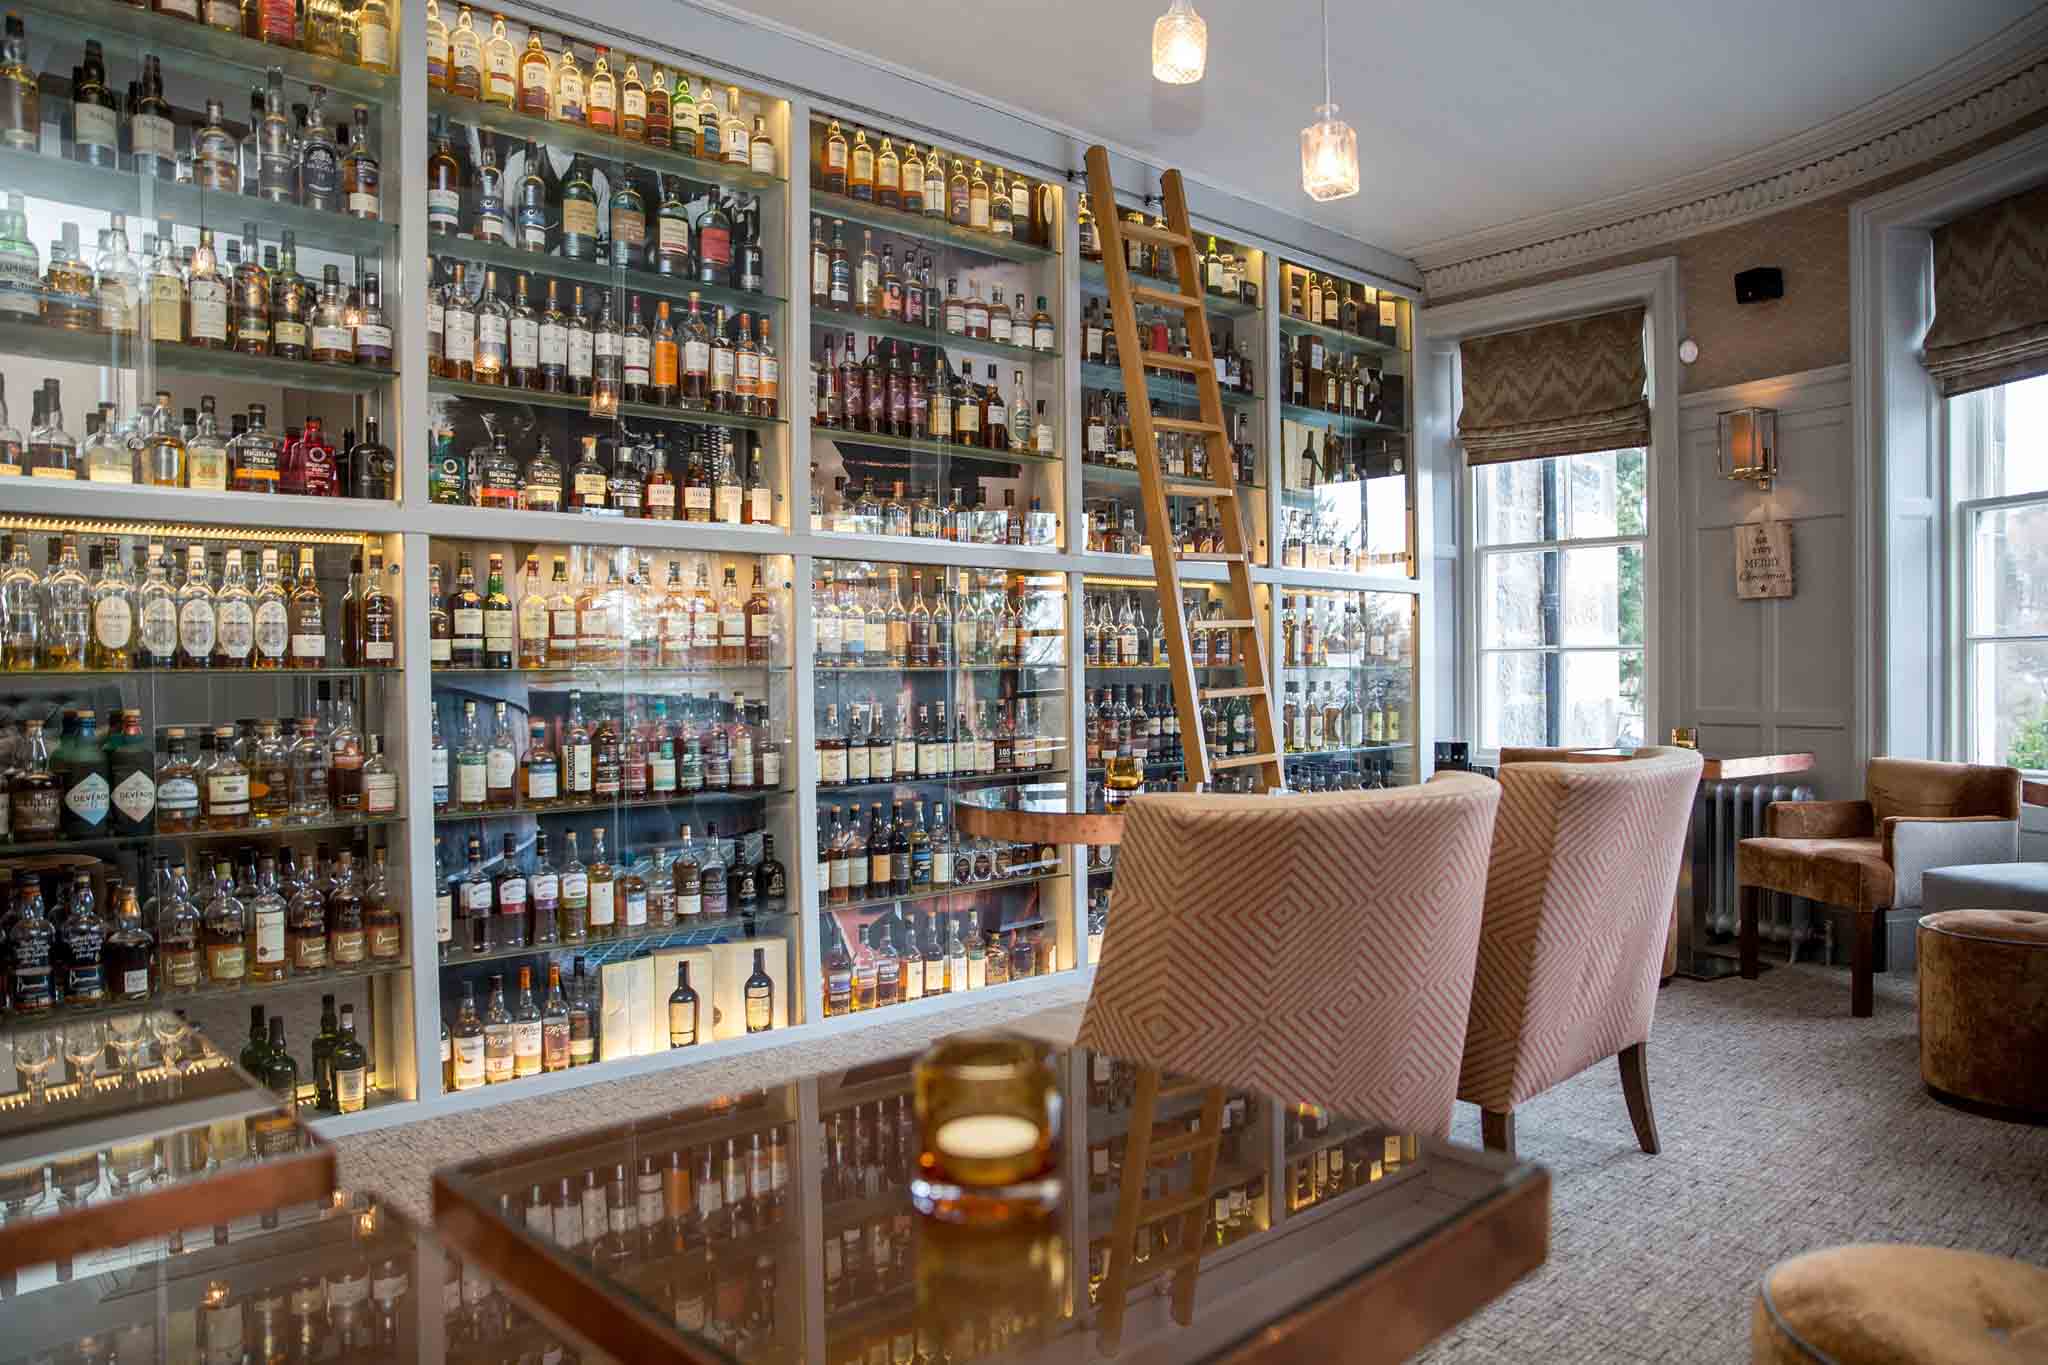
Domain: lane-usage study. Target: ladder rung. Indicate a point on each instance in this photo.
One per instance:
(1187, 1201)
(1162, 1264)
(1243, 760)
(1169, 360)
(1166, 1149)
(1221, 692)
(1178, 489)
(1213, 557)
(1157, 236)
(1193, 426)
(1165, 298)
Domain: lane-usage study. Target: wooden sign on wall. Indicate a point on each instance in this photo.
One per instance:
(1763, 560)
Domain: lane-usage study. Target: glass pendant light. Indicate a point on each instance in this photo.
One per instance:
(1180, 45)
(1329, 146)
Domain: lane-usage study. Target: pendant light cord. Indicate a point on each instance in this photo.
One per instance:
(1326, 51)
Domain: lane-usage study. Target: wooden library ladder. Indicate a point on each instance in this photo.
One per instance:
(1133, 1210)
(1220, 488)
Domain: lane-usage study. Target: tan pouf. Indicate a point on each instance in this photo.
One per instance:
(1900, 1305)
(1984, 1009)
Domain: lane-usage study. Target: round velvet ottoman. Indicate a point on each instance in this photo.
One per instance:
(1900, 1305)
(1984, 1010)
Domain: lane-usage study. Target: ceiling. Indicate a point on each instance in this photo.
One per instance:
(1471, 114)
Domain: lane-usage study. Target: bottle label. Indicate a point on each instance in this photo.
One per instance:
(380, 793)
(135, 796)
(94, 125)
(470, 783)
(552, 345)
(579, 218)
(113, 622)
(349, 1086)
(153, 134)
(458, 341)
(307, 646)
(444, 208)
(273, 630)
(714, 246)
(373, 46)
(602, 909)
(227, 794)
(236, 627)
(581, 345)
(371, 339)
(672, 235)
(637, 355)
(178, 797)
(88, 798)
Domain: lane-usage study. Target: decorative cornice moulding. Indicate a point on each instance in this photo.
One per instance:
(1958, 104)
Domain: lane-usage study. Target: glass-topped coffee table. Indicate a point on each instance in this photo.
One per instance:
(1038, 812)
(778, 1225)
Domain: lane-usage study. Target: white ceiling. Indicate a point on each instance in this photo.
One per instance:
(1471, 114)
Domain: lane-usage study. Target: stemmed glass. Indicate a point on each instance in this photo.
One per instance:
(126, 1034)
(35, 1050)
(170, 1029)
(85, 1042)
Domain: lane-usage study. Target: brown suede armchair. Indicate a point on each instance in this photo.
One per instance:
(1867, 856)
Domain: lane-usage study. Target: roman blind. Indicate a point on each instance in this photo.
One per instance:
(1991, 296)
(1561, 388)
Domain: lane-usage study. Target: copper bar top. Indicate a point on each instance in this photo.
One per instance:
(1715, 769)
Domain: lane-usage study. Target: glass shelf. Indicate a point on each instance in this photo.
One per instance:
(1337, 336)
(197, 836)
(942, 893)
(829, 669)
(456, 817)
(676, 288)
(170, 358)
(825, 319)
(684, 933)
(1095, 280)
(604, 146)
(505, 393)
(1334, 421)
(205, 993)
(145, 199)
(846, 436)
(1163, 388)
(1390, 746)
(274, 674)
(953, 781)
(196, 49)
(602, 672)
(921, 228)
(1117, 474)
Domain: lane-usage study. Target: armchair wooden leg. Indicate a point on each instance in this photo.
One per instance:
(1748, 905)
(1497, 1130)
(1862, 962)
(1635, 1088)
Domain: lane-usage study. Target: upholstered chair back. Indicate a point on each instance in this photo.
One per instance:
(1578, 907)
(1315, 948)
(1917, 787)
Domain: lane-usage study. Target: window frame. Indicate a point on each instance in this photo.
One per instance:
(1963, 430)
(1482, 552)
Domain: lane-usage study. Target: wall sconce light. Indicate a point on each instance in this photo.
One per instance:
(1747, 445)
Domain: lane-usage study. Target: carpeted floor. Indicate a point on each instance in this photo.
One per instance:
(1786, 1125)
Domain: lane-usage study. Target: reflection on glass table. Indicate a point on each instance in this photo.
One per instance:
(141, 1127)
(689, 1236)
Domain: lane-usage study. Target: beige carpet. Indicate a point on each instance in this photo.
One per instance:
(1787, 1126)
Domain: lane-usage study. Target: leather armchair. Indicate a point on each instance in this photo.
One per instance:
(1868, 856)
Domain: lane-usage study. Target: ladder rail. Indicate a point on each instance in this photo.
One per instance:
(1155, 487)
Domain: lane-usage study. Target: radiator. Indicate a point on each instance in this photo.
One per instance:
(1732, 811)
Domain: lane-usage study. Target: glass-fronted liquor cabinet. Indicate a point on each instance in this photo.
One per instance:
(608, 738)
(1347, 686)
(931, 680)
(1231, 275)
(935, 406)
(1346, 477)
(197, 277)
(202, 755)
(607, 313)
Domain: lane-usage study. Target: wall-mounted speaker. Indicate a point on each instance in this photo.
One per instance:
(1760, 285)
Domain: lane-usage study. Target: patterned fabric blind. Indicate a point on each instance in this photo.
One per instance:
(1991, 296)
(1559, 389)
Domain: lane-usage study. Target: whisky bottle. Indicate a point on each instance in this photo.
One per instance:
(536, 77)
(759, 993)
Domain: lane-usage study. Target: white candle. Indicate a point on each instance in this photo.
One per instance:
(986, 1137)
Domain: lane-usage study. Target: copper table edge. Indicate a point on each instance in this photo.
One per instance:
(2033, 793)
(558, 1291)
(1395, 1309)
(1717, 769)
(203, 1202)
(1040, 826)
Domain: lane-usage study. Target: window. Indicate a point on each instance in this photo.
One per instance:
(1998, 438)
(1560, 556)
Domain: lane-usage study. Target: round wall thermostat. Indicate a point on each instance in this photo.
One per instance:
(1688, 351)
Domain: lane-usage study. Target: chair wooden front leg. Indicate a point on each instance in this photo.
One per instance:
(1748, 905)
(1635, 1088)
(1497, 1130)
(1862, 963)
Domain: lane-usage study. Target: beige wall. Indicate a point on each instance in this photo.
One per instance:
(1808, 329)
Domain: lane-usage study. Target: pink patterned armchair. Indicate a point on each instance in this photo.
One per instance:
(1578, 905)
(1318, 948)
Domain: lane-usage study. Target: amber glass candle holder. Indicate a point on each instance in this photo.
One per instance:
(988, 1115)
